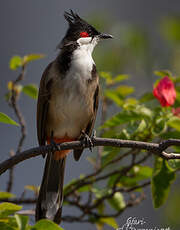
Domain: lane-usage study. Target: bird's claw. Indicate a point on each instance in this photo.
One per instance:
(56, 147)
(87, 140)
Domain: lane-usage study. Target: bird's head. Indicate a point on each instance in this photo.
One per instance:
(80, 32)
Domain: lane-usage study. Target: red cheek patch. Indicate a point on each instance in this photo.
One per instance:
(84, 34)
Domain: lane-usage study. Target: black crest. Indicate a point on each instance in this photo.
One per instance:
(72, 17)
(76, 26)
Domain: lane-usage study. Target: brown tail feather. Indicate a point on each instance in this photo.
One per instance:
(49, 204)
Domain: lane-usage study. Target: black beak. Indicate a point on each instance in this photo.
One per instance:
(105, 36)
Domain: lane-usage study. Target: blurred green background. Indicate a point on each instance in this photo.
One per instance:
(135, 52)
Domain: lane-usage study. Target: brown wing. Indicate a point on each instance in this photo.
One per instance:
(90, 126)
(43, 104)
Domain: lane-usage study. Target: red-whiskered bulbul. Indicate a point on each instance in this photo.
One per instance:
(67, 107)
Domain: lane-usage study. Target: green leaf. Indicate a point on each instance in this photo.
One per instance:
(130, 101)
(100, 192)
(172, 209)
(143, 111)
(109, 221)
(118, 94)
(110, 80)
(124, 90)
(7, 120)
(174, 163)
(112, 179)
(7, 209)
(113, 95)
(137, 174)
(32, 57)
(15, 62)
(107, 76)
(163, 176)
(6, 195)
(120, 77)
(5, 226)
(101, 208)
(141, 127)
(138, 113)
(46, 225)
(84, 188)
(160, 126)
(142, 172)
(147, 97)
(117, 201)
(31, 90)
(121, 118)
(177, 95)
(171, 134)
(22, 221)
(163, 73)
(11, 221)
(174, 122)
(177, 149)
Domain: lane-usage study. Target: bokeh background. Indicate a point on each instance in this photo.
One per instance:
(147, 38)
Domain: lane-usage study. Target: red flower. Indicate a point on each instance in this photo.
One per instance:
(165, 92)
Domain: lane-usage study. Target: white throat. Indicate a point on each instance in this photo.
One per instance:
(82, 61)
(87, 43)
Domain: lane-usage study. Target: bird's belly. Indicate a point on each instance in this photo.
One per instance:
(71, 105)
(69, 115)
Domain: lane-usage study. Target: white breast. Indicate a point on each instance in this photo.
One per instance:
(81, 63)
(71, 104)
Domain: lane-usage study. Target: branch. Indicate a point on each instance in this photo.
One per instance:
(11, 176)
(155, 148)
(17, 111)
(133, 201)
(14, 104)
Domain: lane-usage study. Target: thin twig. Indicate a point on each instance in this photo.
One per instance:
(17, 111)
(11, 175)
(20, 200)
(14, 104)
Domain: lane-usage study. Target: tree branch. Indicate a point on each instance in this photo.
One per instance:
(14, 104)
(154, 148)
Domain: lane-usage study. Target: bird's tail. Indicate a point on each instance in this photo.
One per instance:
(49, 204)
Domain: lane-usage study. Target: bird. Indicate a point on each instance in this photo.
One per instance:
(66, 109)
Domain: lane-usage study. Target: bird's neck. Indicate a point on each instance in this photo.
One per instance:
(64, 59)
(79, 57)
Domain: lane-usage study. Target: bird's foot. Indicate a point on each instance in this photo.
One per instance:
(55, 146)
(87, 140)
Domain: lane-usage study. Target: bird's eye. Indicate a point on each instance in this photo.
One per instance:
(84, 34)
